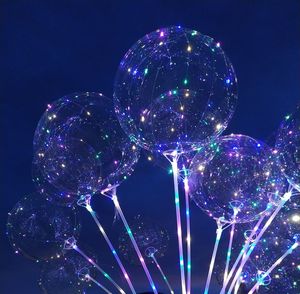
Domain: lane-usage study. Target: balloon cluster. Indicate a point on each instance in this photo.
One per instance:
(174, 94)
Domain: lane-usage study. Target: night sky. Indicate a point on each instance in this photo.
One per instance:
(52, 48)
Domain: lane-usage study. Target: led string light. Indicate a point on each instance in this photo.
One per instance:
(188, 231)
(229, 250)
(174, 162)
(219, 232)
(150, 252)
(244, 249)
(84, 274)
(98, 284)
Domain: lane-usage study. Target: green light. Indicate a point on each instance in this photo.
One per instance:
(145, 71)
(185, 81)
(194, 33)
(174, 92)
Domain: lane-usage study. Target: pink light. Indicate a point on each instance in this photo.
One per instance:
(161, 34)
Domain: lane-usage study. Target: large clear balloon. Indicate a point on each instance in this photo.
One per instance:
(239, 181)
(38, 229)
(151, 238)
(174, 88)
(288, 145)
(80, 148)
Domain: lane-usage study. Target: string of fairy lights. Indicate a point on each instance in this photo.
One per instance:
(174, 94)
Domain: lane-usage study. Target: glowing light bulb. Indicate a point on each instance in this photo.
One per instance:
(296, 218)
(189, 48)
(201, 167)
(219, 127)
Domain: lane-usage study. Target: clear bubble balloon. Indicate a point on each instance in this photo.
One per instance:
(151, 238)
(288, 145)
(84, 152)
(239, 181)
(67, 275)
(266, 252)
(287, 222)
(174, 88)
(285, 279)
(37, 229)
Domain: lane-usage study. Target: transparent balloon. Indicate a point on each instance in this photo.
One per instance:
(239, 182)
(287, 222)
(285, 279)
(174, 88)
(266, 252)
(67, 275)
(82, 153)
(288, 145)
(37, 229)
(151, 238)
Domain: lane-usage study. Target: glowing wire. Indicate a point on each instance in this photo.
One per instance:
(105, 274)
(237, 286)
(162, 273)
(275, 264)
(188, 231)
(219, 232)
(85, 201)
(178, 221)
(130, 234)
(114, 252)
(229, 250)
(244, 249)
(98, 284)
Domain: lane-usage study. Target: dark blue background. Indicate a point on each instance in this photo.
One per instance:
(51, 48)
